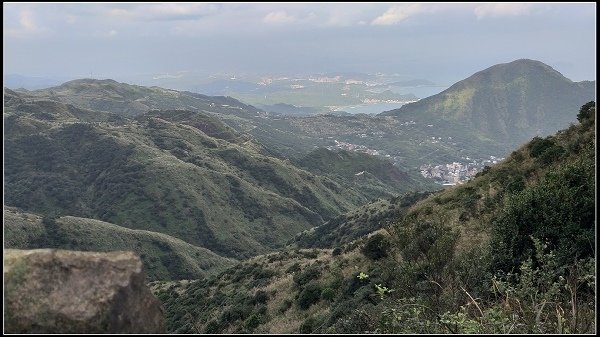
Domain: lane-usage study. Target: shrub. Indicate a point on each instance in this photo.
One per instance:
(253, 322)
(308, 325)
(336, 251)
(261, 296)
(328, 294)
(212, 327)
(587, 111)
(285, 306)
(560, 210)
(310, 273)
(551, 154)
(293, 268)
(310, 295)
(376, 247)
(516, 184)
(310, 254)
(538, 145)
(486, 170)
(518, 156)
(543, 299)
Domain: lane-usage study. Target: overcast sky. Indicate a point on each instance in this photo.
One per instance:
(440, 42)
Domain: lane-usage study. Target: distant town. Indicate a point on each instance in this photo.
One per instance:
(455, 173)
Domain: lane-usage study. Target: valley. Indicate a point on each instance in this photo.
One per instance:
(300, 168)
(431, 248)
(276, 223)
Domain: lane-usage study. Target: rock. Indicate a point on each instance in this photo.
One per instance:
(62, 291)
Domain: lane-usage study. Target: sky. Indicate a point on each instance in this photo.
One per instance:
(436, 41)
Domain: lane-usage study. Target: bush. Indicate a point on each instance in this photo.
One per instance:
(261, 297)
(538, 145)
(551, 154)
(253, 322)
(336, 251)
(310, 295)
(310, 273)
(328, 294)
(261, 273)
(293, 268)
(285, 306)
(310, 254)
(516, 184)
(212, 327)
(518, 156)
(308, 325)
(376, 247)
(560, 210)
(549, 298)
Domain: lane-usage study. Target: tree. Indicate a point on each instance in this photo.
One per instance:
(587, 111)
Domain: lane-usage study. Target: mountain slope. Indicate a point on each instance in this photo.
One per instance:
(509, 102)
(431, 270)
(282, 135)
(373, 176)
(132, 100)
(357, 223)
(164, 257)
(178, 172)
(472, 208)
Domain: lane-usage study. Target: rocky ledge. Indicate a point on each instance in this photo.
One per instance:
(62, 291)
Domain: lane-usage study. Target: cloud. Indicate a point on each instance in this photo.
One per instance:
(26, 25)
(27, 21)
(338, 15)
(501, 9)
(397, 14)
(163, 11)
(278, 17)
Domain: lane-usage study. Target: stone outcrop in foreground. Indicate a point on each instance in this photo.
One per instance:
(62, 291)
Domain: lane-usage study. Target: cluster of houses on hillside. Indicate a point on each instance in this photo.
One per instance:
(456, 173)
(444, 174)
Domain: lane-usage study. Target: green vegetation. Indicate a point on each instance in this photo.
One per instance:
(182, 173)
(376, 247)
(509, 103)
(483, 257)
(406, 140)
(164, 257)
(511, 251)
(359, 222)
(373, 176)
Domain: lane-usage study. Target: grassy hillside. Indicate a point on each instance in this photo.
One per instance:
(357, 223)
(511, 251)
(509, 102)
(472, 207)
(285, 292)
(132, 100)
(164, 257)
(373, 175)
(408, 141)
(178, 172)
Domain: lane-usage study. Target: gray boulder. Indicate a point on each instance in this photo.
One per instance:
(62, 291)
